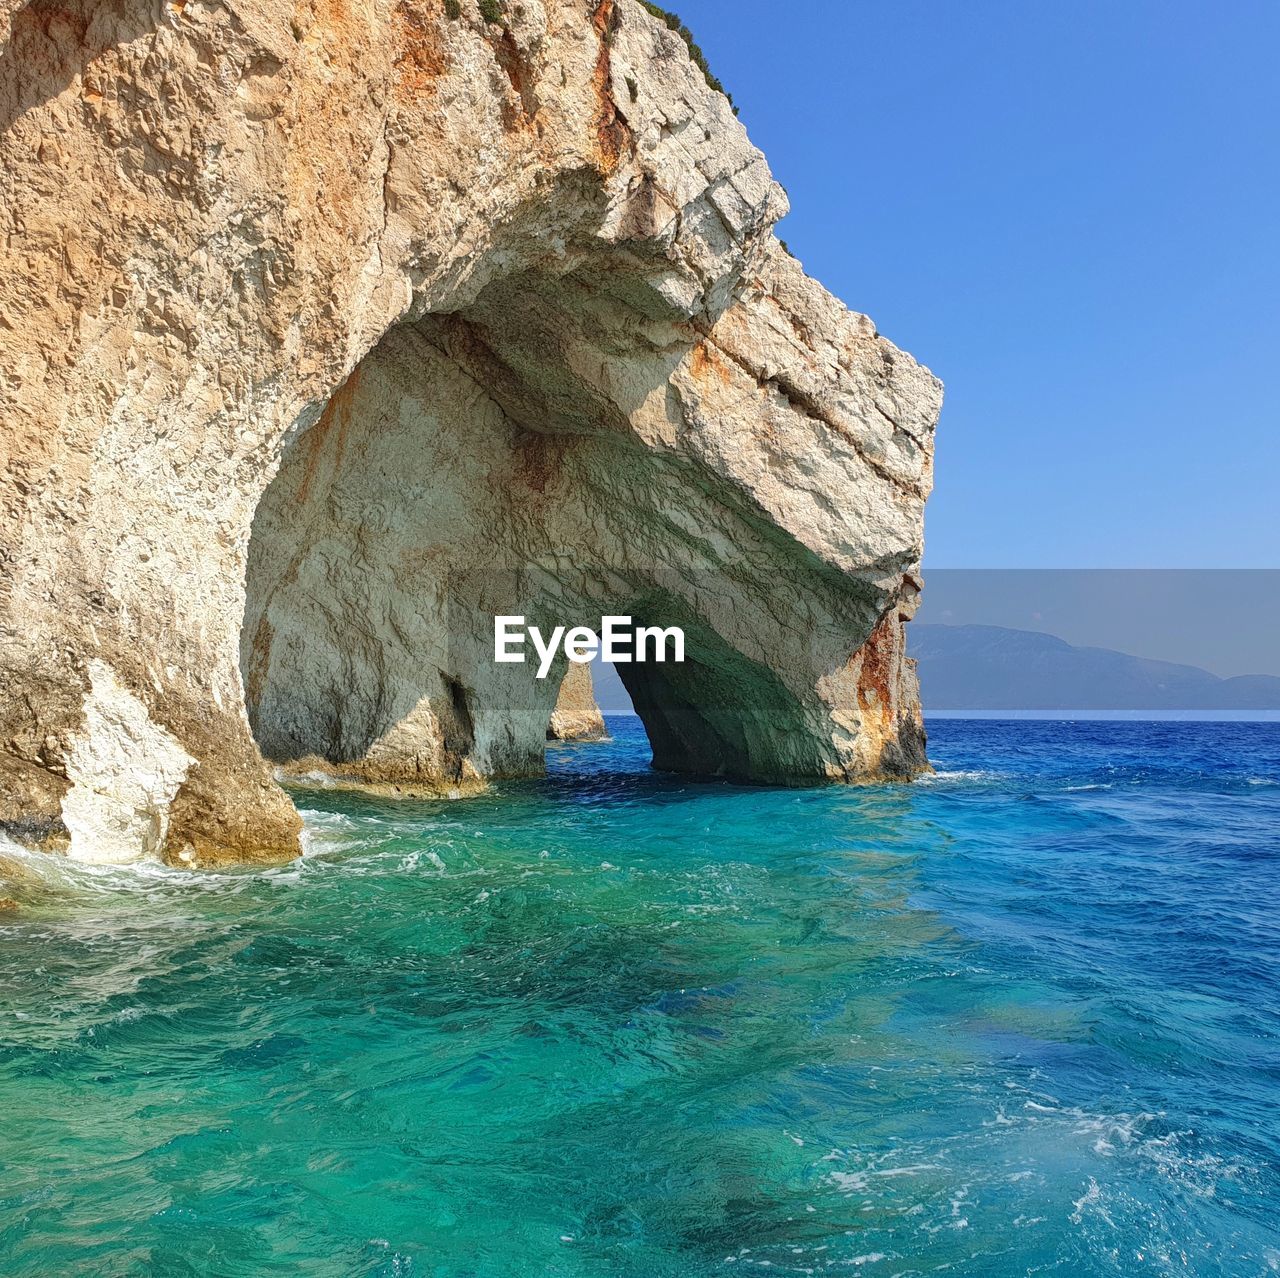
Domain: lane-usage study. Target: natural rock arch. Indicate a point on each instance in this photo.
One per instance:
(478, 464)
(502, 306)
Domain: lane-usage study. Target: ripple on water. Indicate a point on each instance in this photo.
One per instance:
(1021, 1017)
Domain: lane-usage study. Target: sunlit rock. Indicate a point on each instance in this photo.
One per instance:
(332, 331)
(576, 716)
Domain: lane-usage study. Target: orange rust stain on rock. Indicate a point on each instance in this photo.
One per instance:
(337, 413)
(704, 363)
(422, 60)
(878, 662)
(612, 133)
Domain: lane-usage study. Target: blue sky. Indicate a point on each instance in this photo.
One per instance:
(1069, 211)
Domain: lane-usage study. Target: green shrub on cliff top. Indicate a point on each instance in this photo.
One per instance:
(699, 58)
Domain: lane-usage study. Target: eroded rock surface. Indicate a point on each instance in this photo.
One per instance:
(330, 331)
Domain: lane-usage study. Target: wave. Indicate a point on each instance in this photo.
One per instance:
(56, 871)
(943, 775)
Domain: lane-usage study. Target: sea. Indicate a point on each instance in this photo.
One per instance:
(1021, 1016)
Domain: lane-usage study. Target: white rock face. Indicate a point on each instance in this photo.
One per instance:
(332, 331)
(124, 771)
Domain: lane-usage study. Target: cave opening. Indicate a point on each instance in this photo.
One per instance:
(554, 450)
(413, 510)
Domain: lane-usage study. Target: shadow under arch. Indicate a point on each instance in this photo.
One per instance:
(718, 713)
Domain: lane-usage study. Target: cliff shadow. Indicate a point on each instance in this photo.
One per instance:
(54, 43)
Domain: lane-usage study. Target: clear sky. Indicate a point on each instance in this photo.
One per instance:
(1068, 209)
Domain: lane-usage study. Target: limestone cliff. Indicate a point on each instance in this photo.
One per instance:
(331, 330)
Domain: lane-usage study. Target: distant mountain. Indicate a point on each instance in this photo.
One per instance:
(995, 668)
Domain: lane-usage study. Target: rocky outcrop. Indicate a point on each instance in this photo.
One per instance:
(331, 331)
(576, 716)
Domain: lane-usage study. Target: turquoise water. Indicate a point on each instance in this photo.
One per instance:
(1023, 1017)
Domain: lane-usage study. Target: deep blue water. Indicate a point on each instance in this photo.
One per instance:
(1021, 1017)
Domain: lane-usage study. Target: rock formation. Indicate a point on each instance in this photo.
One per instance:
(332, 330)
(576, 716)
